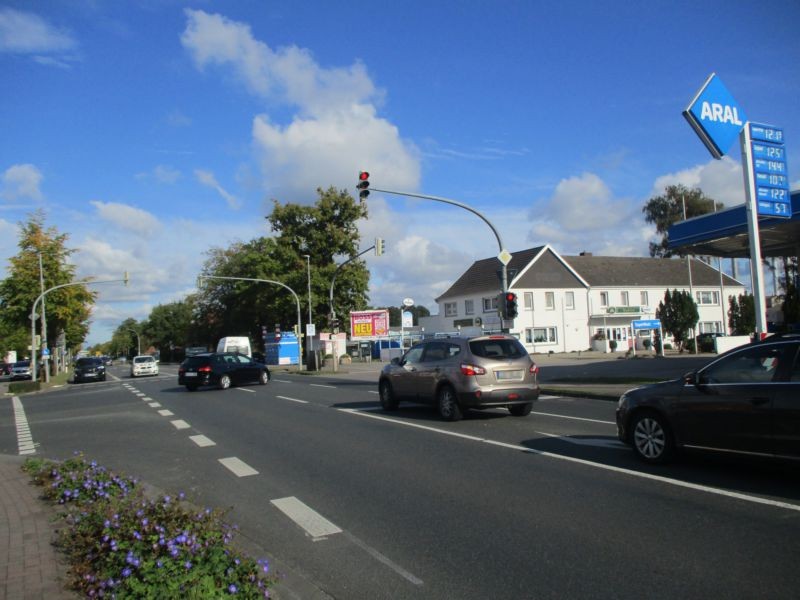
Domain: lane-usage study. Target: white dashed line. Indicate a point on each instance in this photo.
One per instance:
(154, 405)
(246, 390)
(25, 443)
(180, 424)
(238, 467)
(202, 441)
(332, 387)
(166, 413)
(282, 380)
(314, 524)
(292, 399)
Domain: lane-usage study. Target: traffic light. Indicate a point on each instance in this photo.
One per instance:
(335, 325)
(363, 185)
(510, 302)
(379, 246)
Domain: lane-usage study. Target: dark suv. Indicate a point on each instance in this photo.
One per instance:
(89, 369)
(459, 373)
(222, 369)
(743, 402)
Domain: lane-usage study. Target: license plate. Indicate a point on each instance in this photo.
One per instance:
(190, 374)
(505, 375)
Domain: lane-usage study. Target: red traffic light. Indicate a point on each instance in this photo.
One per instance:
(363, 185)
(510, 296)
(363, 175)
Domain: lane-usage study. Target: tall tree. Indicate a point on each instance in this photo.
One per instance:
(124, 340)
(667, 209)
(168, 325)
(67, 309)
(678, 314)
(742, 314)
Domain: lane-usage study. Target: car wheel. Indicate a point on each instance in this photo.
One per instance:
(263, 378)
(652, 440)
(104, 378)
(521, 410)
(224, 382)
(388, 400)
(448, 404)
(191, 388)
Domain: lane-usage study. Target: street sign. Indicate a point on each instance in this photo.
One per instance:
(715, 116)
(504, 257)
(45, 351)
(408, 302)
(765, 170)
(646, 324)
(311, 329)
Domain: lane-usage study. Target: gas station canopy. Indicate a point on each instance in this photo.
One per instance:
(724, 233)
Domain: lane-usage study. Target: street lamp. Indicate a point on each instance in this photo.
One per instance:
(308, 338)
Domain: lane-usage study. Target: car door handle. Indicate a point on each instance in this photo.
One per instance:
(759, 401)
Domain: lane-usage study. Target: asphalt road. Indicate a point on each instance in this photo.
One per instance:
(365, 504)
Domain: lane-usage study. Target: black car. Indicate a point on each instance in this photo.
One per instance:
(222, 369)
(89, 369)
(744, 402)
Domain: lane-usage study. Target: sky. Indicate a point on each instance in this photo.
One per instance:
(150, 131)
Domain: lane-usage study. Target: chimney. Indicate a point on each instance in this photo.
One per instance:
(584, 253)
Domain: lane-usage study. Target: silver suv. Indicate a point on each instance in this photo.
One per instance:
(456, 374)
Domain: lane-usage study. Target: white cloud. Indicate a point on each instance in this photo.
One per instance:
(336, 131)
(128, 218)
(21, 181)
(27, 33)
(721, 180)
(207, 178)
(166, 174)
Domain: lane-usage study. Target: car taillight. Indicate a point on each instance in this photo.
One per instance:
(472, 369)
(534, 369)
(205, 369)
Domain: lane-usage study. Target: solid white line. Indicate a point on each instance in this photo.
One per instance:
(549, 397)
(314, 524)
(573, 418)
(381, 558)
(166, 413)
(292, 399)
(588, 463)
(202, 441)
(373, 392)
(597, 442)
(238, 467)
(25, 444)
(246, 390)
(333, 387)
(282, 380)
(180, 424)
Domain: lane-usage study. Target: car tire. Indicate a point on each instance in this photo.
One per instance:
(224, 382)
(104, 378)
(651, 438)
(448, 404)
(191, 388)
(263, 378)
(387, 397)
(521, 410)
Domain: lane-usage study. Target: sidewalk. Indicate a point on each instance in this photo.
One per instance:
(30, 568)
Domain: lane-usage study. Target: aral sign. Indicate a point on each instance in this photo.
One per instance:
(715, 116)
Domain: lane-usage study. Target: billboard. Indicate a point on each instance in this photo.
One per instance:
(369, 323)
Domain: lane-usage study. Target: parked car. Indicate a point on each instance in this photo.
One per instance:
(743, 402)
(144, 365)
(460, 373)
(222, 369)
(89, 369)
(21, 370)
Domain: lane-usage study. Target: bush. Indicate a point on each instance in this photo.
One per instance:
(23, 387)
(121, 544)
(613, 345)
(667, 346)
(647, 343)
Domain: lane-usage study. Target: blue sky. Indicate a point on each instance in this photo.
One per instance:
(152, 130)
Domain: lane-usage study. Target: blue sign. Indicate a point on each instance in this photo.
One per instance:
(774, 209)
(768, 151)
(646, 324)
(766, 133)
(715, 116)
(768, 156)
(771, 180)
(45, 351)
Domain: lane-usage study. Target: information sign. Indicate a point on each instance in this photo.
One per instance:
(764, 161)
(646, 324)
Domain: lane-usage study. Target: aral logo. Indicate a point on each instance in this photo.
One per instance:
(715, 116)
(721, 114)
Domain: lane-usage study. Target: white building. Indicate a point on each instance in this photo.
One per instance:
(565, 301)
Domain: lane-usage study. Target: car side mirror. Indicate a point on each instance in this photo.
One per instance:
(690, 378)
(396, 361)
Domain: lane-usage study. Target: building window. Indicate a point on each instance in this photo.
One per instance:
(707, 298)
(528, 300)
(643, 299)
(469, 307)
(603, 298)
(541, 335)
(569, 300)
(490, 304)
(450, 309)
(623, 298)
(549, 300)
(709, 327)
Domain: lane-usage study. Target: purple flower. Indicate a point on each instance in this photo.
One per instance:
(187, 564)
(126, 572)
(232, 589)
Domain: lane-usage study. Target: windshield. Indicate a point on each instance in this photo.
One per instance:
(143, 359)
(87, 362)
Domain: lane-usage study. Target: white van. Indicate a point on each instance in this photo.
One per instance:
(235, 344)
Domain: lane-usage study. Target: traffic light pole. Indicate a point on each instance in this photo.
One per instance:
(504, 270)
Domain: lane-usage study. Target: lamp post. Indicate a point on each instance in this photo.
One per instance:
(308, 272)
(138, 341)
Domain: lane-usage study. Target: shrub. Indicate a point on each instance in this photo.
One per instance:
(613, 345)
(23, 387)
(647, 343)
(667, 346)
(121, 544)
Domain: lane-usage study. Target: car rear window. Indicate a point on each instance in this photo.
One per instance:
(497, 348)
(196, 361)
(87, 362)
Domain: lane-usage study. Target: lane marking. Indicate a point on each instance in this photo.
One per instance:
(314, 524)
(332, 387)
(543, 414)
(25, 443)
(245, 390)
(385, 560)
(292, 399)
(588, 463)
(550, 397)
(373, 392)
(140, 394)
(180, 424)
(238, 467)
(202, 441)
(282, 380)
(154, 405)
(166, 413)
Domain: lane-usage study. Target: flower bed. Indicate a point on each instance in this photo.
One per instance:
(121, 544)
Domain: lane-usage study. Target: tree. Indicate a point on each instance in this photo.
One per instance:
(396, 311)
(678, 314)
(123, 340)
(742, 314)
(667, 209)
(67, 309)
(169, 325)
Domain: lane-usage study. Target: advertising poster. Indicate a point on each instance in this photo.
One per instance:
(369, 323)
